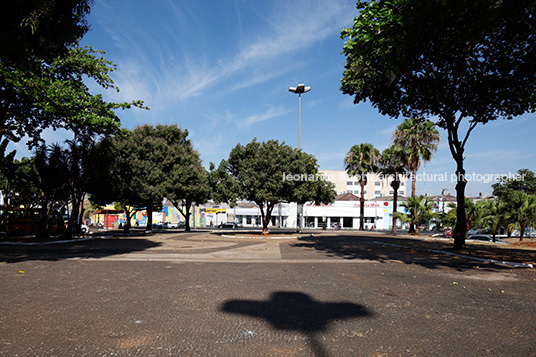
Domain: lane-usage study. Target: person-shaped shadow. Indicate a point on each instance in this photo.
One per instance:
(296, 311)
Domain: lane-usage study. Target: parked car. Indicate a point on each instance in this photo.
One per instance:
(232, 225)
(181, 224)
(158, 225)
(422, 227)
(485, 238)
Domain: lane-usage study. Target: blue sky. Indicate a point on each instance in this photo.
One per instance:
(222, 69)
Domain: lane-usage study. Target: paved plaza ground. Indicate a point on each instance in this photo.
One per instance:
(201, 294)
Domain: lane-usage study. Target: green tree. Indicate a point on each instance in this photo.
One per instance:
(464, 62)
(187, 183)
(493, 216)
(24, 189)
(19, 184)
(524, 182)
(83, 162)
(522, 212)
(42, 29)
(475, 214)
(148, 158)
(362, 160)
(43, 72)
(51, 166)
(268, 173)
(54, 95)
(392, 164)
(420, 137)
(419, 210)
(8, 169)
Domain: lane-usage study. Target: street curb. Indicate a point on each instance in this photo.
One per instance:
(46, 243)
(267, 237)
(493, 261)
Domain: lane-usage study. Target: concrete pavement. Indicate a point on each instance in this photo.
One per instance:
(200, 294)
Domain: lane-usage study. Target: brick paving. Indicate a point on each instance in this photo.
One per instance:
(198, 295)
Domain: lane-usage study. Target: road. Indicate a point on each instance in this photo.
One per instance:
(199, 294)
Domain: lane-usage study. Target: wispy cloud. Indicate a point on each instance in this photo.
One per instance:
(174, 78)
(497, 154)
(267, 115)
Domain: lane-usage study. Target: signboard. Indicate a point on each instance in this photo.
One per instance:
(216, 210)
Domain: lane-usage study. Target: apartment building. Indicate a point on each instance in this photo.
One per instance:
(377, 185)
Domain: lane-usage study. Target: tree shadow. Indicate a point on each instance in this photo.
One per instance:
(371, 248)
(296, 311)
(97, 248)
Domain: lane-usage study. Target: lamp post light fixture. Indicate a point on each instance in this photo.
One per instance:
(301, 88)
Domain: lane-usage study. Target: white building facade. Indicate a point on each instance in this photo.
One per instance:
(377, 185)
(344, 213)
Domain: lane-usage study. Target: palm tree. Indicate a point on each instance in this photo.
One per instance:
(52, 182)
(360, 161)
(475, 214)
(421, 138)
(523, 213)
(492, 216)
(419, 210)
(393, 164)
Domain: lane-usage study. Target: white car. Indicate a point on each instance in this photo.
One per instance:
(485, 238)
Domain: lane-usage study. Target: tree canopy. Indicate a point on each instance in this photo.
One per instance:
(464, 62)
(524, 182)
(418, 210)
(43, 72)
(420, 138)
(268, 173)
(187, 183)
(42, 29)
(144, 165)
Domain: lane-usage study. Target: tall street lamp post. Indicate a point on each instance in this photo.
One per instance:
(301, 88)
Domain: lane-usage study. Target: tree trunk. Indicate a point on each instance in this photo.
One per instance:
(457, 149)
(185, 211)
(126, 227)
(521, 233)
(149, 211)
(187, 207)
(396, 185)
(460, 230)
(413, 184)
(267, 220)
(362, 206)
(81, 216)
(43, 225)
(264, 220)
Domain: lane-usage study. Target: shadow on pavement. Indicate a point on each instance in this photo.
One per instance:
(97, 248)
(363, 247)
(296, 311)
